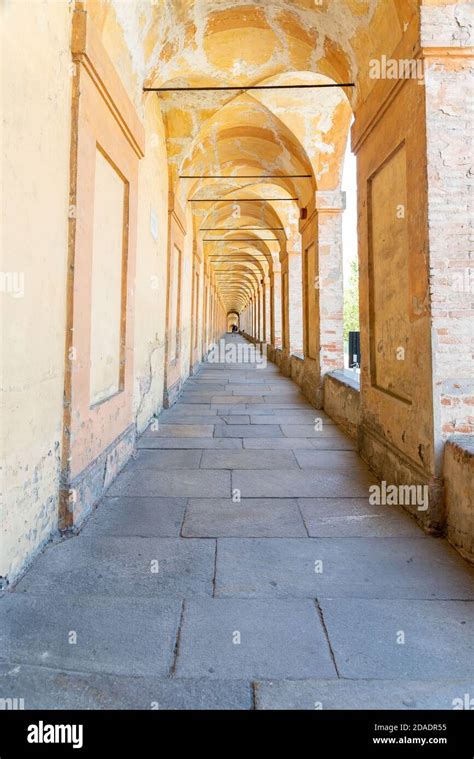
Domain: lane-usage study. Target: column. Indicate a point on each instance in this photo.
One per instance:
(295, 302)
(329, 284)
(266, 310)
(276, 303)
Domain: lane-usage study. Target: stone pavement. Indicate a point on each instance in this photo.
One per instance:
(236, 563)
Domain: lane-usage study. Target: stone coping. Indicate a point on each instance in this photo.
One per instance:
(340, 375)
(464, 443)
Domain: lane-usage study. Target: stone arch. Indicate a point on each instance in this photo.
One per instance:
(233, 320)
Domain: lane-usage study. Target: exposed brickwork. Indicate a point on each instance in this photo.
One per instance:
(329, 217)
(459, 487)
(449, 128)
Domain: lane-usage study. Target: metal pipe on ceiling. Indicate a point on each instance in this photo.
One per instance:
(251, 87)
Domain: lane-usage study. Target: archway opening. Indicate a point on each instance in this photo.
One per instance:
(351, 319)
(233, 322)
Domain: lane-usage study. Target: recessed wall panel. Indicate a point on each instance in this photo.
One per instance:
(106, 280)
(175, 302)
(311, 303)
(389, 280)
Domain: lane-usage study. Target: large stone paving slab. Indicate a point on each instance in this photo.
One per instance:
(192, 399)
(244, 459)
(249, 430)
(275, 397)
(183, 409)
(204, 391)
(127, 635)
(276, 403)
(277, 443)
(257, 409)
(234, 418)
(231, 400)
(147, 441)
(308, 430)
(279, 382)
(186, 483)
(339, 443)
(307, 483)
(137, 517)
(184, 430)
(361, 694)
(197, 386)
(240, 409)
(355, 518)
(43, 688)
(165, 459)
(136, 567)
(187, 419)
(287, 417)
(250, 388)
(263, 517)
(341, 568)
(330, 460)
(438, 635)
(277, 639)
(250, 381)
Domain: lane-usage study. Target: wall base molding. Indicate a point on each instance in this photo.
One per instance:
(342, 402)
(171, 394)
(87, 488)
(391, 465)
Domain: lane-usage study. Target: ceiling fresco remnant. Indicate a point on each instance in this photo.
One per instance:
(294, 139)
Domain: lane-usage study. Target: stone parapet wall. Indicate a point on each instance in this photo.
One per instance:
(459, 490)
(342, 401)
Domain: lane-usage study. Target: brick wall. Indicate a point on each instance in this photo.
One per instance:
(446, 32)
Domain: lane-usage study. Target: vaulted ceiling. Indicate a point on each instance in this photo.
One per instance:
(258, 144)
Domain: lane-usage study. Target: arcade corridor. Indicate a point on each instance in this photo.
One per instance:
(201, 505)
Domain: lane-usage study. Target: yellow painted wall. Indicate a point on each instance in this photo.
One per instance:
(110, 208)
(186, 300)
(151, 263)
(36, 108)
